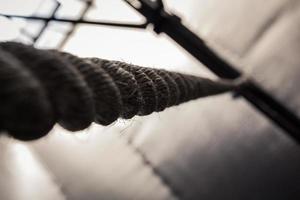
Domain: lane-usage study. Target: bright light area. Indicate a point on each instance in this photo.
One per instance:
(12, 30)
(30, 177)
(19, 7)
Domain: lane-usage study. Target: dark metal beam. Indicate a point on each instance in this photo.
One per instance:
(80, 21)
(68, 35)
(171, 25)
(46, 22)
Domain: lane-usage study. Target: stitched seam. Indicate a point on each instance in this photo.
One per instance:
(219, 46)
(264, 30)
(174, 191)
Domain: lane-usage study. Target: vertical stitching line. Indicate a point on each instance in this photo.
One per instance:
(267, 26)
(177, 194)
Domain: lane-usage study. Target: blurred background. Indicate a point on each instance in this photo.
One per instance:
(212, 148)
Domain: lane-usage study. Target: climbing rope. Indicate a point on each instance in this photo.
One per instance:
(42, 87)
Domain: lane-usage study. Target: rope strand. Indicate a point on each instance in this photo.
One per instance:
(24, 107)
(41, 87)
(65, 87)
(106, 95)
(126, 83)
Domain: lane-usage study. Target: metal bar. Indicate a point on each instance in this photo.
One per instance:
(192, 43)
(80, 21)
(88, 5)
(43, 29)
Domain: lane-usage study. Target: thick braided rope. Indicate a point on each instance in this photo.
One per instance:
(20, 94)
(126, 83)
(42, 87)
(146, 87)
(106, 95)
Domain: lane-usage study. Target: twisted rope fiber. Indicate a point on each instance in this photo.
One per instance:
(42, 87)
(127, 84)
(145, 86)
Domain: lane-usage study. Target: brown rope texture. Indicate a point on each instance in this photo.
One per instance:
(42, 87)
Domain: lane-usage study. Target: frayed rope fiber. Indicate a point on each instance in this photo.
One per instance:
(42, 87)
